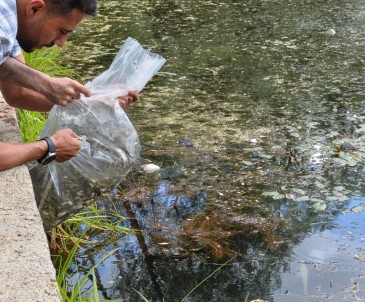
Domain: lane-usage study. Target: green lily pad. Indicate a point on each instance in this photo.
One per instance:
(299, 191)
(339, 188)
(295, 134)
(358, 209)
(343, 198)
(320, 206)
(253, 149)
(319, 185)
(332, 134)
(265, 156)
(340, 161)
(270, 193)
(315, 200)
(302, 198)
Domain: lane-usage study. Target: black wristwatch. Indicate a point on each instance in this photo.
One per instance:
(51, 154)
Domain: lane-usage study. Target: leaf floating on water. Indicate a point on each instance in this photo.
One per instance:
(278, 196)
(167, 73)
(320, 206)
(253, 149)
(299, 191)
(361, 129)
(333, 134)
(339, 142)
(315, 200)
(340, 161)
(352, 163)
(343, 198)
(358, 209)
(265, 156)
(270, 193)
(295, 134)
(290, 196)
(319, 185)
(348, 159)
(312, 125)
(302, 198)
(344, 155)
(274, 195)
(339, 188)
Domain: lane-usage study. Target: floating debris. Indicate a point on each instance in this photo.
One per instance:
(151, 168)
(320, 206)
(358, 209)
(330, 32)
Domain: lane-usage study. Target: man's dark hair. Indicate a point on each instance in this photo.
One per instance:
(66, 6)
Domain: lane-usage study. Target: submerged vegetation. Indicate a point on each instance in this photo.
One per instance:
(73, 245)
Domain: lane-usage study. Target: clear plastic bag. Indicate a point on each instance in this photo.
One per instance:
(110, 145)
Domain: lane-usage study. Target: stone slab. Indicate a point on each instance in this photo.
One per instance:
(27, 273)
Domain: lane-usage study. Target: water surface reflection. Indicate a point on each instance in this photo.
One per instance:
(256, 122)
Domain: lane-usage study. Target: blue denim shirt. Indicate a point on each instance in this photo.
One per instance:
(9, 45)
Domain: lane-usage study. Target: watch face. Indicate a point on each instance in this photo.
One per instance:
(49, 158)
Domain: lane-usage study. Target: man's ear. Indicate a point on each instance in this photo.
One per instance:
(34, 7)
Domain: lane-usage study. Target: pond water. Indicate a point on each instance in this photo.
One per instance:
(257, 123)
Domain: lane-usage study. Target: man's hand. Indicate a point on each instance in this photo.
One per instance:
(67, 144)
(126, 100)
(59, 91)
(65, 90)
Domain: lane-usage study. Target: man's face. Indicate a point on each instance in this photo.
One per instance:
(46, 30)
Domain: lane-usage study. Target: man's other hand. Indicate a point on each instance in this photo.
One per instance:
(126, 100)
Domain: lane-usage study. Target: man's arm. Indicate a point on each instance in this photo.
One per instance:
(66, 142)
(20, 97)
(60, 91)
(24, 98)
(12, 155)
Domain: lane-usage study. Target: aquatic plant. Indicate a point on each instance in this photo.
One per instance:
(216, 231)
(78, 237)
(71, 283)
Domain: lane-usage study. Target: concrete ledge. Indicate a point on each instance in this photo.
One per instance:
(26, 273)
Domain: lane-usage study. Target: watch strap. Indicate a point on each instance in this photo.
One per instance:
(51, 147)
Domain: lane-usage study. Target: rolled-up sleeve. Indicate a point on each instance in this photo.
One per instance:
(5, 48)
(9, 46)
(16, 49)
